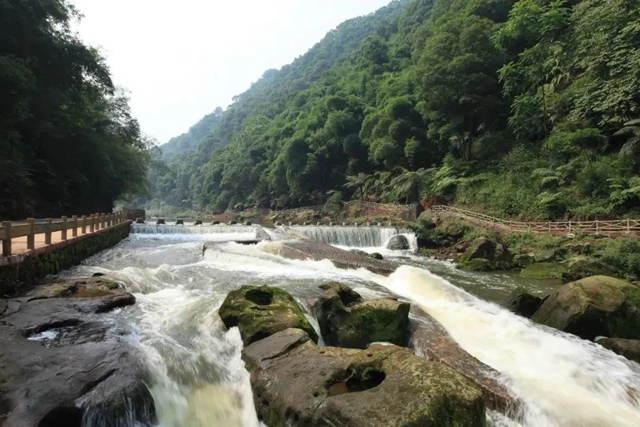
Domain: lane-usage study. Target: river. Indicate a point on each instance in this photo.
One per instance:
(198, 378)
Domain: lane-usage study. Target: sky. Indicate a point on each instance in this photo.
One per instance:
(180, 59)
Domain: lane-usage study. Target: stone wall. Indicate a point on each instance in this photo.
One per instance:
(21, 273)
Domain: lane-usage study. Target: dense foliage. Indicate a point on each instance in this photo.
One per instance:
(520, 108)
(68, 143)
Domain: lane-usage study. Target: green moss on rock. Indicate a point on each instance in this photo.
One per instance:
(478, 264)
(543, 270)
(261, 311)
(581, 267)
(298, 384)
(347, 321)
(595, 306)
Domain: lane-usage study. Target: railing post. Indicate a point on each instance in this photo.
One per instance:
(92, 221)
(549, 227)
(102, 221)
(6, 243)
(47, 232)
(597, 227)
(569, 227)
(84, 224)
(64, 228)
(31, 237)
(74, 231)
(628, 226)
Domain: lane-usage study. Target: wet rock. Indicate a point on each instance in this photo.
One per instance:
(543, 271)
(627, 348)
(581, 267)
(523, 303)
(431, 340)
(63, 365)
(551, 255)
(346, 320)
(261, 234)
(478, 264)
(101, 294)
(297, 383)
(261, 311)
(398, 243)
(358, 252)
(304, 249)
(523, 260)
(376, 255)
(595, 306)
(580, 248)
(497, 257)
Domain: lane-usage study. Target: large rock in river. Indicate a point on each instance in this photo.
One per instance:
(595, 306)
(484, 255)
(580, 267)
(523, 303)
(398, 243)
(627, 348)
(347, 321)
(298, 384)
(63, 364)
(260, 311)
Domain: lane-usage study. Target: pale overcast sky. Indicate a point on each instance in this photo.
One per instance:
(180, 59)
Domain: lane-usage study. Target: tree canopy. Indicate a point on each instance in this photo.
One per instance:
(520, 108)
(68, 142)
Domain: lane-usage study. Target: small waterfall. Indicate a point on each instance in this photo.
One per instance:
(190, 229)
(354, 237)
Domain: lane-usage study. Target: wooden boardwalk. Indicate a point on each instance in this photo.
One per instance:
(25, 237)
(622, 227)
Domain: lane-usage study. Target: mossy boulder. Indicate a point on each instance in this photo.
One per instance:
(346, 320)
(261, 311)
(522, 302)
(551, 255)
(626, 348)
(478, 264)
(543, 270)
(523, 260)
(398, 243)
(595, 306)
(377, 256)
(497, 255)
(581, 267)
(298, 384)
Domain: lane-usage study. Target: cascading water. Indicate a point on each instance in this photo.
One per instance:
(354, 237)
(198, 379)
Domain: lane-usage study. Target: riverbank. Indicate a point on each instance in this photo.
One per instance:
(566, 258)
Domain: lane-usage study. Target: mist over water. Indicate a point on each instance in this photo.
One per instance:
(198, 378)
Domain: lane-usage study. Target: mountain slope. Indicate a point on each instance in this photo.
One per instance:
(268, 95)
(519, 108)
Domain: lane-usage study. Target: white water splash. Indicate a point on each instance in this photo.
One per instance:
(199, 378)
(563, 380)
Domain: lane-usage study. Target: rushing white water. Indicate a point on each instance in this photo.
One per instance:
(354, 237)
(198, 378)
(563, 380)
(192, 229)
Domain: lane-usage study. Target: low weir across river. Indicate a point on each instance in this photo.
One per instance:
(198, 379)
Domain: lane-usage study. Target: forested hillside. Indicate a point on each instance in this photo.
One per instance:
(68, 143)
(518, 108)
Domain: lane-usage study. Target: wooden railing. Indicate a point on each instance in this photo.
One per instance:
(30, 228)
(597, 227)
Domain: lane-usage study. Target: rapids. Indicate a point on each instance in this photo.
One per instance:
(198, 379)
